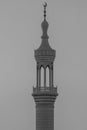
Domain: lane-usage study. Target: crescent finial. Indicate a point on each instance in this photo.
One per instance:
(45, 4)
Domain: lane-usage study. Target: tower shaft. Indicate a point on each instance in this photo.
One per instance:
(45, 115)
(44, 111)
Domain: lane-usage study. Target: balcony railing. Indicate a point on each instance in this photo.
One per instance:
(52, 90)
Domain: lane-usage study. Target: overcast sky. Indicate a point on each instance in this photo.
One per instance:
(20, 34)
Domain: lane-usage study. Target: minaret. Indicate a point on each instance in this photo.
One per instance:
(44, 96)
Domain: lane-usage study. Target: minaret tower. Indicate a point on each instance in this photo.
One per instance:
(44, 96)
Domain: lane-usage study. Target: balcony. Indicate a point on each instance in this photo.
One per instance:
(45, 90)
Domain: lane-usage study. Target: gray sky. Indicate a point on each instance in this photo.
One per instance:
(20, 32)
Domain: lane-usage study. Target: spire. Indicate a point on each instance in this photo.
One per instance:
(44, 24)
(45, 5)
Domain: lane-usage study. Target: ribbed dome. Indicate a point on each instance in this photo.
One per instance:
(44, 53)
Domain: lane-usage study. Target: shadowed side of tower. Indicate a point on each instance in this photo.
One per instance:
(44, 95)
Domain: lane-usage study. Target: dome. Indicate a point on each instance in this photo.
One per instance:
(44, 53)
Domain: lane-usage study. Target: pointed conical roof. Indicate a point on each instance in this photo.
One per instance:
(44, 53)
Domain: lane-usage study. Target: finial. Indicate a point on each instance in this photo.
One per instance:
(45, 5)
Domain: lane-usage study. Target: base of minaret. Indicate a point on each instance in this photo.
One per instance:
(44, 111)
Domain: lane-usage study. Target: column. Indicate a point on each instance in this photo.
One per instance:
(45, 77)
(39, 76)
(52, 75)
